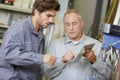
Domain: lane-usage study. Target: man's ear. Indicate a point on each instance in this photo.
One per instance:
(36, 11)
(82, 23)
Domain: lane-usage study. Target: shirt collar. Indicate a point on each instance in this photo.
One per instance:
(31, 27)
(68, 40)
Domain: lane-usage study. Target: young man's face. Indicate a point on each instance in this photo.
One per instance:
(73, 26)
(45, 18)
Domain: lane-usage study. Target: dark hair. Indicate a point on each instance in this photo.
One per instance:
(44, 5)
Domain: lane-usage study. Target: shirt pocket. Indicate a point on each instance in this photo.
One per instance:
(59, 54)
(85, 76)
(28, 46)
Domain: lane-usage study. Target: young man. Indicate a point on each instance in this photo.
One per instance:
(68, 65)
(21, 54)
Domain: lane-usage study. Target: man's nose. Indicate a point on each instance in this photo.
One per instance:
(51, 20)
(71, 26)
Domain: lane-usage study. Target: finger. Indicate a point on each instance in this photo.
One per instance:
(65, 58)
(87, 54)
(68, 57)
(73, 53)
(51, 63)
(68, 54)
(53, 58)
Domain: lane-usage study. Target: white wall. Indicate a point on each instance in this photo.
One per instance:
(63, 7)
(103, 14)
(59, 28)
(87, 9)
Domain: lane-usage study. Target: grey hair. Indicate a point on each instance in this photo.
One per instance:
(73, 11)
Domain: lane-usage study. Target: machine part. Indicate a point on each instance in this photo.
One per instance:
(48, 36)
(111, 29)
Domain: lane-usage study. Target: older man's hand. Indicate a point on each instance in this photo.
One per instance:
(69, 55)
(89, 54)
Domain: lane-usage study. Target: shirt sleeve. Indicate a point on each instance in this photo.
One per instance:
(102, 70)
(54, 71)
(16, 54)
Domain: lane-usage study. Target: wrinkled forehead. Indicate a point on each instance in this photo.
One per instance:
(71, 17)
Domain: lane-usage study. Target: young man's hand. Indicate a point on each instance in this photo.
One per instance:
(49, 59)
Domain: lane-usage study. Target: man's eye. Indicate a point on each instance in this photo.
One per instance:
(67, 24)
(48, 15)
(74, 23)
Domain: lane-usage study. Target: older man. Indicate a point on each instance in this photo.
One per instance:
(67, 49)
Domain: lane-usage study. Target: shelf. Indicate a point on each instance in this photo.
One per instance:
(3, 26)
(14, 8)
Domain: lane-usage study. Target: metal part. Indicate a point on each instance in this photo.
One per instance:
(49, 36)
(111, 47)
(111, 29)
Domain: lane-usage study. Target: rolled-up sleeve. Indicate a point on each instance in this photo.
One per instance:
(54, 71)
(102, 70)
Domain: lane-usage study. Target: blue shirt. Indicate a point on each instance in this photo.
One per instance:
(21, 52)
(81, 70)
